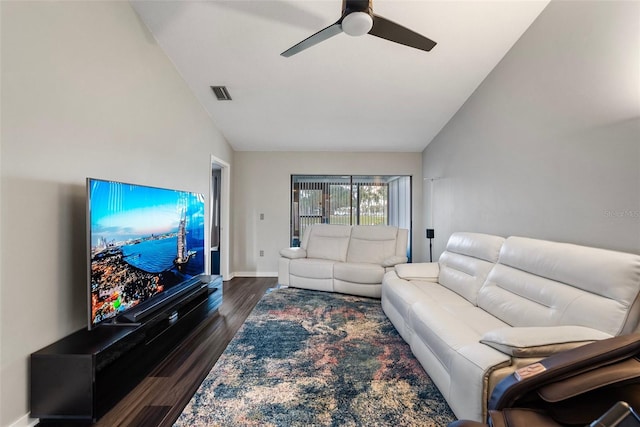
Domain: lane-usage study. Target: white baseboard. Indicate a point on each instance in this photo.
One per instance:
(255, 274)
(25, 421)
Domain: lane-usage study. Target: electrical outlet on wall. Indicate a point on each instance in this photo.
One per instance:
(261, 216)
(261, 253)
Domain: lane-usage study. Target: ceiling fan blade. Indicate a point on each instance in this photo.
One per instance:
(318, 37)
(391, 31)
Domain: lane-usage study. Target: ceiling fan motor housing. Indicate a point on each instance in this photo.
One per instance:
(349, 6)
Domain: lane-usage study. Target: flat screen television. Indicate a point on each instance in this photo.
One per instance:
(146, 247)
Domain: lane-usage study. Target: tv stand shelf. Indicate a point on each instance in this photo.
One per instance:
(81, 376)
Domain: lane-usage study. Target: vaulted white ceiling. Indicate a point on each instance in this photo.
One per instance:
(346, 93)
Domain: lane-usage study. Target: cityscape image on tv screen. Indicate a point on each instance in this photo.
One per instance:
(144, 241)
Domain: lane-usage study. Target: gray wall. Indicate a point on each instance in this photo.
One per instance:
(262, 184)
(549, 144)
(85, 92)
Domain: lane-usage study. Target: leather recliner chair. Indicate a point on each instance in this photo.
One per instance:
(571, 388)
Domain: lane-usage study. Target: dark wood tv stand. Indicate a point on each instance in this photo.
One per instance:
(80, 377)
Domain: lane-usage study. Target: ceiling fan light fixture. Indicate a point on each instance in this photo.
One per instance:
(357, 23)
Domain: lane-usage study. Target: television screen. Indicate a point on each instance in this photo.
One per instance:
(144, 242)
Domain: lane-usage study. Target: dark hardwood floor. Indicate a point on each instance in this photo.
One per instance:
(159, 399)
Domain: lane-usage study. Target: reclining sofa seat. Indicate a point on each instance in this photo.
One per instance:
(342, 258)
(492, 305)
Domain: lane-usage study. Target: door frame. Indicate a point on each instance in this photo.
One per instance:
(225, 198)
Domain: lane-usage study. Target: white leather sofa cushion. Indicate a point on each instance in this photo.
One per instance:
(358, 272)
(363, 289)
(476, 245)
(325, 285)
(402, 294)
(312, 268)
(324, 241)
(532, 341)
(466, 262)
(542, 283)
(372, 244)
(451, 336)
(565, 262)
(456, 322)
(398, 295)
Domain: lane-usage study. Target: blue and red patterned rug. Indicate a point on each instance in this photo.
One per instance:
(309, 358)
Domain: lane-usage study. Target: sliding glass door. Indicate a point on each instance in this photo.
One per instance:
(349, 200)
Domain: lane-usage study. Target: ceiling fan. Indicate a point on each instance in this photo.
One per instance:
(358, 19)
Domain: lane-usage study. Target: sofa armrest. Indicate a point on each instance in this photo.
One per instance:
(427, 271)
(293, 253)
(394, 260)
(540, 341)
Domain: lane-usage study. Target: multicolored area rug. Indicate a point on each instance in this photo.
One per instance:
(309, 358)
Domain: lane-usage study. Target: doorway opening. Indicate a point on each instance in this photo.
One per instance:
(219, 214)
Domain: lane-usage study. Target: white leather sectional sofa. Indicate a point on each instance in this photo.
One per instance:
(343, 258)
(491, 305)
